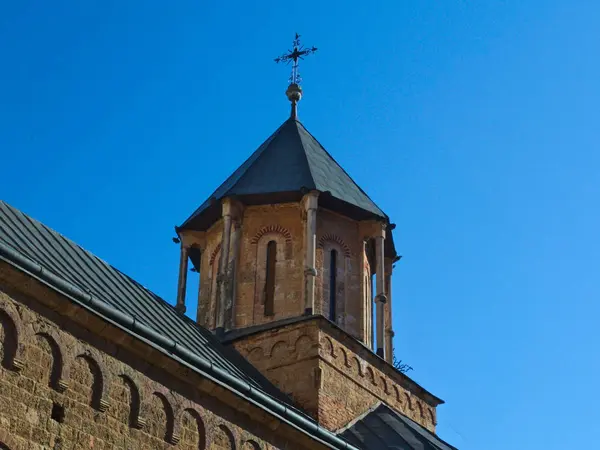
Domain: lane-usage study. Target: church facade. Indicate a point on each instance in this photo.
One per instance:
(292, 346)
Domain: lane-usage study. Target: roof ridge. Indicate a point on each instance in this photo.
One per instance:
(267, 146)
(340, 166)
(310, 171)
(239, 172)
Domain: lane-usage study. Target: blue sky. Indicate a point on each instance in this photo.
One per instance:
(473, 124)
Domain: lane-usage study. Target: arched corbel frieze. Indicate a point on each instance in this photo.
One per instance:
(12, 359)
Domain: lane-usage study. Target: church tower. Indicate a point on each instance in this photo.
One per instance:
(295, 264)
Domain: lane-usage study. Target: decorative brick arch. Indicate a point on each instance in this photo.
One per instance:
(420, 412)
(171, 435)
(223, 437)
(100, 383)
(345, 360)
(57, 379)
(135, 420)
(256, 355)
(408, 401)
(190, 414)
(279, 348)
(383, 383)
(432, 416)
(359, 367)
(371, 376)
(272, 229)
(327, 346)
(251, 445)
(13, 334)
(330, 237)
(214, 254)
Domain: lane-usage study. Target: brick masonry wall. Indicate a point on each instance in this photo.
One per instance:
(284, 224)
(332, 376)
(354, 379)
(207, 295)
(289, 358)
(335, 232)
(81, 384)
(261, 224)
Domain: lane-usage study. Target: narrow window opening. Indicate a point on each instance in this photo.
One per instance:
(332, 284)
(58, 413)
(270, 279)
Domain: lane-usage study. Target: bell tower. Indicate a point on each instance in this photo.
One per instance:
(295, 264)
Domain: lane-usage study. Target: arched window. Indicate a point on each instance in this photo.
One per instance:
(270, 278)
(332, 284)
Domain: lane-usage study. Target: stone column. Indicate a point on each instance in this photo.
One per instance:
(310, 201)
(223, 263)
(182, 282)
(231, 273)
(363, 310)
(389, 332)
(380, 299)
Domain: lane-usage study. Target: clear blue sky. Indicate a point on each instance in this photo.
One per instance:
(473, 124)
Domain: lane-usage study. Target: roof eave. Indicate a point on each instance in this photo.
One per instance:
(169, 347)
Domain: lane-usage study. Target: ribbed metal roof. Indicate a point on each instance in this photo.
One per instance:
(382, 428)
(69, 261)
(291, 160)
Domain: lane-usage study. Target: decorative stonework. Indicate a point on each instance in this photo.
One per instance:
(213, 254)
(272, 229)
(376, 382)
(104, 400)
(330, 237)
(343, 382)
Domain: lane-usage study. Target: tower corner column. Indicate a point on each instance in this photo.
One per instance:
(310, 202)
(381, 298)
(389, 331)
(182, 281)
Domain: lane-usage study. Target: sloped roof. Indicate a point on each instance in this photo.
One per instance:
(69, 261)
(290, 160)
(382, 428)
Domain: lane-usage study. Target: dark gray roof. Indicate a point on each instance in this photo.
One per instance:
(69, 261)
(291, 160)
(383, 428)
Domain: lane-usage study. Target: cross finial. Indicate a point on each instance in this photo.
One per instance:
(298, 52)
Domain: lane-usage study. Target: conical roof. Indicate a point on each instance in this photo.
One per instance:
(290, 162)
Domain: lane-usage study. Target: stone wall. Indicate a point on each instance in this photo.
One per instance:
(335, 232)
(261, 224)
(246, 276)
(331, 375)
(289, 358)
(355, 379)
(207, 294)
(69, 380)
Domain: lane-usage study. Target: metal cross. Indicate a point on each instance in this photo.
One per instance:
(299, 52)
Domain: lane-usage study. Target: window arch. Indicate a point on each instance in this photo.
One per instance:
(269, 283)
(270, 278)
